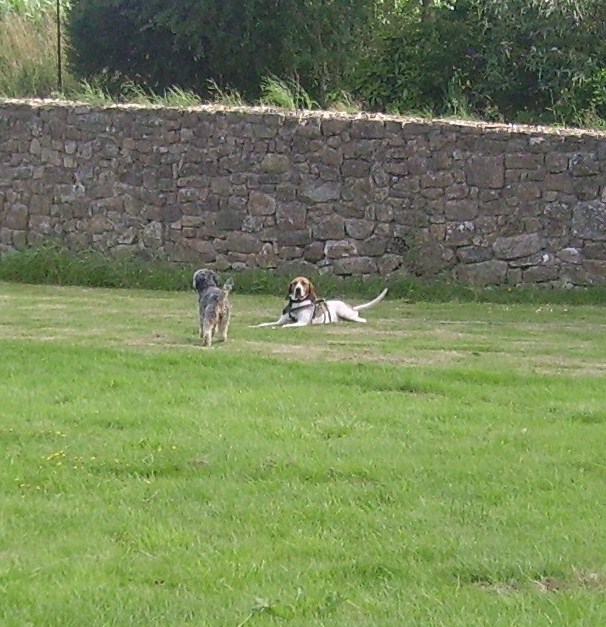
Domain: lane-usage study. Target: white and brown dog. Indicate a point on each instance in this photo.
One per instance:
(304, 307)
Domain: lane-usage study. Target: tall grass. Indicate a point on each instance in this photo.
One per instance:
(29, 8)
(28, 54)
(54, 265)
(172, 97)
(225, 95)
(287, 94)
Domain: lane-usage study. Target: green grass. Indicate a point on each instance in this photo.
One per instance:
(440, 465)
(287, 94)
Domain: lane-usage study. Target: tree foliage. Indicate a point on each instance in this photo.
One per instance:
(513, 60)
(233, 42)
(506, 59)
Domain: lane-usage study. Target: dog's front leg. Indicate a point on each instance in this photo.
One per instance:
(281, 321)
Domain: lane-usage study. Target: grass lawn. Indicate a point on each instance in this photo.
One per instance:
(442, 465)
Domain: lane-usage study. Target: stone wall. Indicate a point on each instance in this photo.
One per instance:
(352, 195)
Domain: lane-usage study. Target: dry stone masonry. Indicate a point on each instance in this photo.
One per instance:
(347, 194)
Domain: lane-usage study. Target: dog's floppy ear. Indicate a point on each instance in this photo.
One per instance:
(290, 288)
(311, 289)
(198, 281)
(213, 278)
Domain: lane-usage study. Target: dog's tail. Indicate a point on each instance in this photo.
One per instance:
(376, 300)
(228, 286)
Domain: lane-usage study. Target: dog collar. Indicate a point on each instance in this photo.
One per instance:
(293, 305)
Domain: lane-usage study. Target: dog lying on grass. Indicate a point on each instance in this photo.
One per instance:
(304, 307)
(213, 304)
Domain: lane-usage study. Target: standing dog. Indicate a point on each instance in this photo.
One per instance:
(304, 307)
(213, 304)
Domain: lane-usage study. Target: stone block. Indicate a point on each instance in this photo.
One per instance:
(460, 233)
(570, 255)
(356, 168)
(318, 191)
(556, 162)
(314, 252)
(528, 191)
(473, 254)
(540, 274)
(493, 272)
(359, 229)
(486, 171)
(559, 183)
(230, 219)
(19, 239)
(243, 243)
(517, 246)
(367, 129)
(330, 227)
(355, 266)
(275, 163)
(267, 257)
(335, 126)
(40, 224)
(339, 249)
(373, 246)
(388, 264)
(584, 165)
(16, 218)
(294, 238)
(589, 220)
(330, 156)
(524, 161)
(461, 209)
(437, 179)
(291, 216)
(261, 204)
(253, 224)
(587, 187)
(595, 250)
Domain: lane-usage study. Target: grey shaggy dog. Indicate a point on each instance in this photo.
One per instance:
(213, 304)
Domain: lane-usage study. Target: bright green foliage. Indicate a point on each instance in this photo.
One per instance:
(286, 94)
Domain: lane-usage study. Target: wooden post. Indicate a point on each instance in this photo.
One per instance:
(59, 58)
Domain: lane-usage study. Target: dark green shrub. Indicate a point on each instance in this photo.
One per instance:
(516, 60)
(414, 61)
(109, 44)
(235, 43)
